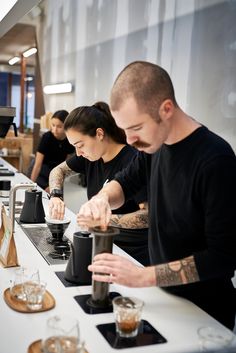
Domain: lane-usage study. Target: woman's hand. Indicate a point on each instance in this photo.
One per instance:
(118, 269)
(95, 212)
(56, 208)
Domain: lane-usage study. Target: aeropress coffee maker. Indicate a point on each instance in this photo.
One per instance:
(100, 301)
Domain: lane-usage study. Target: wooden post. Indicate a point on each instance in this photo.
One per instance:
(9, 88)
(22, 93)
(39, 107)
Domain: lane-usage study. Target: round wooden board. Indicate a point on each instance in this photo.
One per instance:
(20, 306)
(36, 347)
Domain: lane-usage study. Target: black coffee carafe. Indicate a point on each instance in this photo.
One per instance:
(102, 243)
(81, 256)
(33, 211)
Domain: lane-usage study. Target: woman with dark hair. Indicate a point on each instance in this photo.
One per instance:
(101, 151)
(52, 150)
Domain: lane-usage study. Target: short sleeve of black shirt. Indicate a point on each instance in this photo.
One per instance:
(77, 164)
(44, 143)
(134, 179)
(98, 172)
(55, 151)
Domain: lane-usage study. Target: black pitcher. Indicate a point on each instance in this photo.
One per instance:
(81, 256)
(33, 211)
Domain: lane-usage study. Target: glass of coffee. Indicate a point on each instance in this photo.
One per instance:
(127, 311)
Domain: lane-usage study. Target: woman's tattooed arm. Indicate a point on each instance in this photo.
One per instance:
(133, 220)
(58, 175)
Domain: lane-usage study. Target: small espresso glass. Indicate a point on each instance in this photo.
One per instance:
(213, 339)
(62, 335)
(127, 311)
(22, 275)
(34, 292)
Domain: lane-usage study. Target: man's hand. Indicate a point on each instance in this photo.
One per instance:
(118, 269)
(56, 208)
(95, 212)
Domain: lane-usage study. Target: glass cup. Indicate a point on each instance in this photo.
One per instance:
(214, 339)
(62, 335)
(21, 275)
(127, 311)
(34, 292)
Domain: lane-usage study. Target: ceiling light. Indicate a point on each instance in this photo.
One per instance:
(29, 52)
(58, 88)
(35, 12)
(14, 60)
(29, 78)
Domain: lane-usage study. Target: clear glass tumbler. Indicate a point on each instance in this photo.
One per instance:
(214, 339)
(22, 275)
(62, 335)
(34, 292)
(127, 311)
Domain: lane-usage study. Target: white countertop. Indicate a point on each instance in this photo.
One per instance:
(175, 318)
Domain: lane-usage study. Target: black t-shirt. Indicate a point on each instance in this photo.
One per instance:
(98, 173)
(134, 242)
(55, 151)
(191, 195)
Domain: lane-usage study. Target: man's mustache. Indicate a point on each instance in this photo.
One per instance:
(140, 144)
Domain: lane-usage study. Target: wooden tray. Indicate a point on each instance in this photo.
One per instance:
(36, 347)
(20, 305)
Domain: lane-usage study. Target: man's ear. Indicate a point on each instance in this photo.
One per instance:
(166, 109)
(100, 133)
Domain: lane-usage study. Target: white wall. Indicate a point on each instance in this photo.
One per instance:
(88, 42)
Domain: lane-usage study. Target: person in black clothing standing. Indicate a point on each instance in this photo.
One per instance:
(190, 174)
(53, 149)
(102, 151)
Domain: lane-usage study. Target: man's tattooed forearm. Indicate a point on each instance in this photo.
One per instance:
(176, 272)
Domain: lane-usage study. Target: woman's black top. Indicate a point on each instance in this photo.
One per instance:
(55, 152)
(97, 173)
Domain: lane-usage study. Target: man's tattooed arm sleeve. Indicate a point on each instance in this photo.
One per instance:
(176, 272)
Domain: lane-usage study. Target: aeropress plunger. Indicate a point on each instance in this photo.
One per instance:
(102, 243)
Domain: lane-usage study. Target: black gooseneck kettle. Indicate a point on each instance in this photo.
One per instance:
(81, 256)
(33, 211)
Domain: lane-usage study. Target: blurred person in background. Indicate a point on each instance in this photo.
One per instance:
(53, 149)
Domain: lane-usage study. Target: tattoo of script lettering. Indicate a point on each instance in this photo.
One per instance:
(177, 272)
